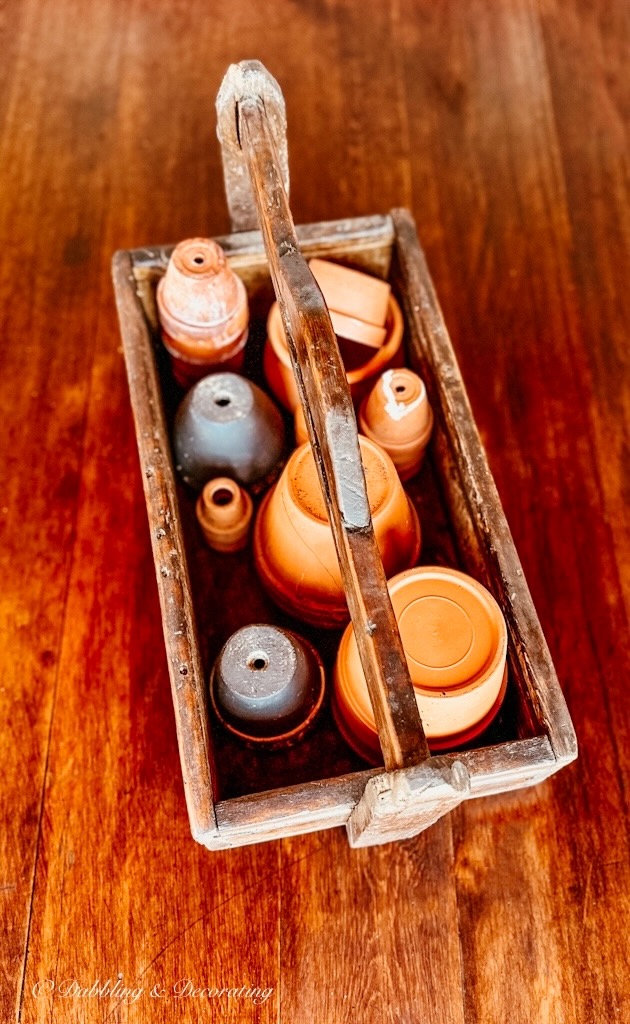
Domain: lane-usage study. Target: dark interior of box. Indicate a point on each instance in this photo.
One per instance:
(227, 595)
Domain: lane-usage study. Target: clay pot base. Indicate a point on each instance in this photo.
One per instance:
(282, 740)
(293, 544)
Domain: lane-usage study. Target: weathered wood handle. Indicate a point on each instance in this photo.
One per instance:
(331, 423)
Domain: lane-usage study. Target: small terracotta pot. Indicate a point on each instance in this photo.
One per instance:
(203, 311)
(224, 511)
(227, 426)
(277, 362)
(397, 415)
(293, 543)
(267, 686)
(455, 640)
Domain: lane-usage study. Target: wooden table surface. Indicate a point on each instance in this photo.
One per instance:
(504, 126)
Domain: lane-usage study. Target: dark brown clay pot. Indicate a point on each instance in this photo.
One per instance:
(227, 426)
(267, 685)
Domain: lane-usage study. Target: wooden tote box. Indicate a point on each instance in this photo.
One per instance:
(235, 795)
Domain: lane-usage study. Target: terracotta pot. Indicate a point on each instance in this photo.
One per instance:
(397, 415)
(227, 426)
(455, 641)
(224, 511)
(277, 362)
(357, 297)
(267, 685)
(293, 543)
(203, 311)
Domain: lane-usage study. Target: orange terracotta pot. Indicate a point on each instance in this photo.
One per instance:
(277, 362)
(397, 415)
(203, 310)
(455, 640)
(293, 543)
(224, 511)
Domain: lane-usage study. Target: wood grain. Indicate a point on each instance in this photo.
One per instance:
(332, 429)
(504, 126)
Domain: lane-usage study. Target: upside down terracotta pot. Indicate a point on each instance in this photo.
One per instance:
(293, 544)
(203, 311)
(279, 372)
(455, 641)
(224, 512)
(227, 426)
(358, 302)
(397, 415)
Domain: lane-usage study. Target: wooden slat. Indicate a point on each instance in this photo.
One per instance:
(180, 634)
(332, 429)
(248, 78)
(318, 805)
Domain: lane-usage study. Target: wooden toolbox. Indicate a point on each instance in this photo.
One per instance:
(235, 795)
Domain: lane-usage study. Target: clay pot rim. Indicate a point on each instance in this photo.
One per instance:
(278, 738)
(381, 357)
(437, 695)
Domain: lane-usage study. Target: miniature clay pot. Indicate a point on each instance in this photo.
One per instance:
(203, 311)
(455, 640)
(267, 685)
(397, 415)
(279, 372)
(224, 511)
(358, 303)
(293, 544)
(227, 426)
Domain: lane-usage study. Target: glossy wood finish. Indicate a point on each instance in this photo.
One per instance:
(505, 131)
